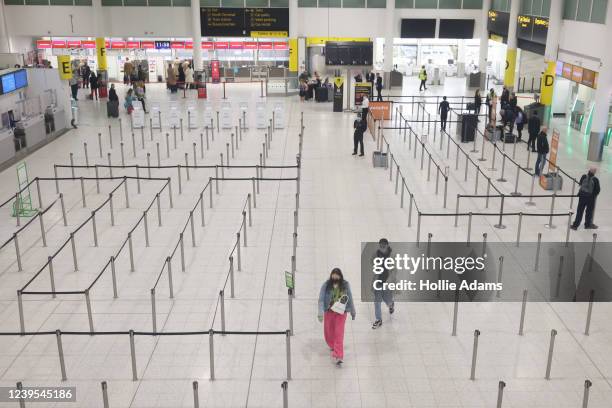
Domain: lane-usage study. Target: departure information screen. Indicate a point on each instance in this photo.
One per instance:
(241, 22)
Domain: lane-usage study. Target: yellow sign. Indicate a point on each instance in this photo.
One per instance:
(293, 55)
(322, 40)
(524, 21)
(266, 34)
(101, 53)
(63, 66)
(510, 68)
(547, 83)
(496, 38)
(338, 81)
(540, 22)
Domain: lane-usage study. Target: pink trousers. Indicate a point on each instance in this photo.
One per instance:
(333, 330)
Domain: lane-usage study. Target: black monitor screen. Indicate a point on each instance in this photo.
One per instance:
(418, 28)
(456, 28)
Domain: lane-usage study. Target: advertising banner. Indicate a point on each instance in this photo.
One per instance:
(381, 110)
(554, 147)
(362, 89)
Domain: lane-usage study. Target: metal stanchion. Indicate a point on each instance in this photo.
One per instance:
(500, 393)
(133, 145)
(474, 354)
(503, 170)
(142, 141)
(518, 230)
(40, 202)
(104, 395)
(500, 225)
(122, 153)
(51, 275)
(537, 257)
(191, 221)
(110, 136)
(169, 269)
(100, 144)
(589, 312)
(158, 155)
(61, 196)
(518, 173)
(131, 250)
(288, 347)
(182, 248)
(410, 210)
(114, 278)
(72, 164)
(238, 258)
(232, 141)
(500, 274)
(42, 229)
(151, 128)
(585, 397)
(56, 179)
(231, 276)
(211, 353)
(196, 398)
(174, 137)
(93, 226)
(531, 202)
(18, 253)
(488, 192)
(469, 229)
(523, 309)
(552, 209)
(217, 121)
(74, 255)
(82, 195)
(527, 167)
(89, 314)
(153, 311)
(60, 351)
(20, 307)
(492, 168)
(170, 192)
(222, 311)
(476, 180)
(455, 313)
(159, 219)
(133, 356)
(203, 221)
(180, 181)
(551, 348)
(482, 158)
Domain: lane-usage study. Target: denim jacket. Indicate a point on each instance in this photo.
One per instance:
(325, 297)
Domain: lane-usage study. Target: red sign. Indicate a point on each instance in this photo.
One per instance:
(177, 45)
(58, 44)
(214, 71)
(207, 45)
(88, 44)
(133, 44)
(43, 44)
(265, 45)
(281, 46)
(250, 45)
(221, 45)
(147, 44)
(236, 45)
(117, 44)
(188, 45)
(74, 43)
(106, 44)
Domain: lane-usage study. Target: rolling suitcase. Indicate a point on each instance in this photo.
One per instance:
(321, 94)
(509, 138)
(112, 109)
(551, 181)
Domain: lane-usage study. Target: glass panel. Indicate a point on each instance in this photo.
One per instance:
(37, 2)
(61, 2)
(599, 11)
(82, 2)
(257, 3)
(330, 3)
(159, 3)
(14, 2)
(472, 4)
(210, 3)
(449, 4)
(404, 3)
(536, 9)
(545, 8)
(377, 3)
(584, 10)
(307, 3)
(428, 4)
(569, 11)
(232, 3)
(526, 6)
(181, 3)
(353, 3)
(279, 3)
(135, 3)
(112, 2)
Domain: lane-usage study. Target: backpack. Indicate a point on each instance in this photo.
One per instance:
(587, 186)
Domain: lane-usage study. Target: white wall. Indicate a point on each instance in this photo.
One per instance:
(175, 21)
(582, 43)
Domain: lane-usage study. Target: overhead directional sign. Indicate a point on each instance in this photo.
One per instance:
(241, 22)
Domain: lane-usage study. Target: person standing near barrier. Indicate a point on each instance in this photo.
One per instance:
(128, 68)
(379, 87)
(188, 77)
(477, 102)
(505, 97)
(382, 295)
(443, 111)
(519, 120)
(542, 148)
(490, 101)
(85, 73)
(93, 84)
(360, 126)
(335, 301)
(365, 107)
(423, 78)
(74, 87)
(129, 101)
(587, 195)
(171, 78)
(533, 127)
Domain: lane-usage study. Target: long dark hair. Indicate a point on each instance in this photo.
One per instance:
(330, 283)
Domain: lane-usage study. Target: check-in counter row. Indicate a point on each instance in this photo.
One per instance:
(31, 133)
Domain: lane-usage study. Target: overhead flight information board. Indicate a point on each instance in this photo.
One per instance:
(244, 22)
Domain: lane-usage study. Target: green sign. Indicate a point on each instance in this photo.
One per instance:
(289, 280)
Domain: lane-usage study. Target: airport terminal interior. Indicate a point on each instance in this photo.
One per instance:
(194, 196)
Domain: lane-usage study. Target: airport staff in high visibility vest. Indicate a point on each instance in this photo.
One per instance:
(423, 78)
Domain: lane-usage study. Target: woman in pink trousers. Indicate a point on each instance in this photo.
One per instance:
(335, 301)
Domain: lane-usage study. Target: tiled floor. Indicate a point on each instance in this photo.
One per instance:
(412, 361)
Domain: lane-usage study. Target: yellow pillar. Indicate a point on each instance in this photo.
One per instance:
(64, 68)
(101, 53)
(510, 68)
(293, 55)
(547, 85)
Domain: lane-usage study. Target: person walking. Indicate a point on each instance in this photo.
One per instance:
(93, 84)
(112, 94)
(335, 301)
(519, 120)
(542, 149)
(587, 195)
(128, 68)
(490, 101)
(129, 101)
(85, 74)
(382, 295)
(533, 127)
(443, 111)
(365, 107)
(360, 126)
(379, 87)
(477, 102)
(423, 78)
(171, 78)
(74, 87)
(188, 77)
(139, 92)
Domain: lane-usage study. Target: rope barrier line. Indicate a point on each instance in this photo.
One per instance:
(16, 233)
(145, 333)
(227, 166)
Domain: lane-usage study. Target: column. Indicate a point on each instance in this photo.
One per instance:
(388, 50)
(601, 110)
(511, 50)
(196, 34)
(550, 59)
(484, 43)
(293, 40)
(5, 43)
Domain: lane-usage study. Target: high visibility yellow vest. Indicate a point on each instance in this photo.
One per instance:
(422, 75)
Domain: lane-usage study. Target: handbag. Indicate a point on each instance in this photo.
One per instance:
(340, 305)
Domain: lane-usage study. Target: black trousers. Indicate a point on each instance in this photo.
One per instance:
(74, 88)
(519, 129)
(588, 204)
(531, 141)
(422, 86)
(364, 113)
(443, 119)
(379, 96)
(477, 110)
(357, 140)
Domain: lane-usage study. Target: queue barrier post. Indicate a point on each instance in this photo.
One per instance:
(589, 312)
(196, 398)
(474, 354)
(211, 353)
(133, 356)
(500, 393)
(222, 305)
(231, 276)
(455, 313)
(551, 348)
(585, 397)
(288, 347)
(51, 276)
(104, 395)
(60, 351)
(182, 248)
(153, 311)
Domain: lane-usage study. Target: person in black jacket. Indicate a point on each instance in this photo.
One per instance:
(533, 127)
(443, 111)
(542, 148)
(477, 102)
(94, 85)
(589, 189)
(360, 126)
(112, 94)
(505, 97)
(379, 87)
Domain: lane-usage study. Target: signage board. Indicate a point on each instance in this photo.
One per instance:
(138, 116)
(226, 115)
(289, 283)
(208, 116)
(362, 89)
(338, 94)
(279, 116)
(524, 27)
(155, 116)
(380, 110)
(174, 117)
(498, 22)
(162, 45)
(554, 148)
(577, 74)
(244, 22)
(214, 71)
(260, 116)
